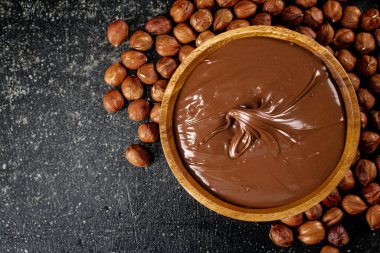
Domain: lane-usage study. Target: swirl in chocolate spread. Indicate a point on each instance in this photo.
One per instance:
(260, 123)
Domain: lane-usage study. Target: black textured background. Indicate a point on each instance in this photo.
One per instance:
(64, 183)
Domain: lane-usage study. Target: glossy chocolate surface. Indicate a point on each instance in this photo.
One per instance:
(260, 123)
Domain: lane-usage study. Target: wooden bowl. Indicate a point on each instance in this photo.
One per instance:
(267, 214)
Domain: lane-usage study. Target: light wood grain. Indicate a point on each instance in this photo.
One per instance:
(249, 214)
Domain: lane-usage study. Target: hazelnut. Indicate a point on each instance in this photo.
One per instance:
(141, 40)
(374, 84)
(166, 66)
(281, 235)
(364, 43)
(377, 162)
(117, 32)
(346, 59)
(332, 216)
(377, 36)
(373, 217)
(331, 51)
(365, 171)
(370, 19)
(245, 9)
(311, 232)
(314, 212)
(132, 88)
(167, 45)
(357, 157)
(353, 204)
(184, 33)
(369, 141)
(333, 199)
(115, 74)
(375, 119)
(365, 98)
(203, 37)
(291, 15)
(138, 110)
(258, 1)
(201, 20)
(158, 25)
(338, 236)
(226, 3)
(184, 52)
(133, 59)
(293, 221)
(262, 19)
(306, 3)
(332, 10)
(371, 193)
(113, 101)
(204, 4)
(325, 34)
(306, 31)
(366, 65)
(138, 156)
(148, 132)
(181, 10)
(222, 19)
(354, 80)
(155, 113)
(273, 7)
(313, 17)
(158, 90)
(329, 249)
(351, 17)
(238, 23)
(147, 73)
(363, 120)
(343, 38)
(348, 182)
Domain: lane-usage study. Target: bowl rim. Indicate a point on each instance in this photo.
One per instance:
(194, 188)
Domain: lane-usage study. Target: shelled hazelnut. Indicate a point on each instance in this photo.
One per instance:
(332, 216)
(184, 52)
(314, 212)
(354, 80)
(155, 113)
(325, 34)
(291, 15)
(281, 235)
(133, 59)
(373, 217)
(115, 74)
(343, 38)
(351, 17)
(258, 1)
(306, 31)
(353, 204)
(346, 59)
(158, 90)
(166, 66)
(365, 98)
(348, 182)
(204, 4)
(117, 32)
(141, 40)
(364, 43)
(113, 101)
(262, 18)
(147, 73)
(333, 199)
(167, 45)
(370, 19)
(181, 10)
(226, 3)
(306, 3)
(132, 88)
(237, 23)
(201, 20)
(138, 110)
(203, 37)
(222, 19)
(371, 193)
(369, 141)
(338, 236)
(148, 132)
(363, 120)
(365, 171)
(374, 84)
(138, 156)
(313, 17)
(377, 37)
(158, 25)
(366, 65)
(375, 119)
(311, 232)
(332, 10)
(329, 249)
(273, 7)
(293, 221)
(245, 9)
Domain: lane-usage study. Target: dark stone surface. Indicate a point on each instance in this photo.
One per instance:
(64, 183)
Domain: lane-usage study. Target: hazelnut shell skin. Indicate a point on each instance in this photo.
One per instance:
(148, 132)
(117, 32)
(115, 74)
(201, 20)
(184, 52)
(155, 113)
(167, 45)
(141, 41)
(138, 110)
(338, 236)
(181, 10)
(147, 74)
(138, 156)
(133, 59)
(245, 9)
(293, 221)
(158, 25)
(158, 90)
(311, 232)
(132, 88)
(222, 18)
(281, 235)
(113, 101)
(373, 217)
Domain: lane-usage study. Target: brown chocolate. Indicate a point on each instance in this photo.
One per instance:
(260, 122)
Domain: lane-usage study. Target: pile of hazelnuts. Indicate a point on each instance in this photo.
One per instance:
(347, 32)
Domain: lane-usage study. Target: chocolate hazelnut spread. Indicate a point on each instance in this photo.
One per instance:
(260, 122)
